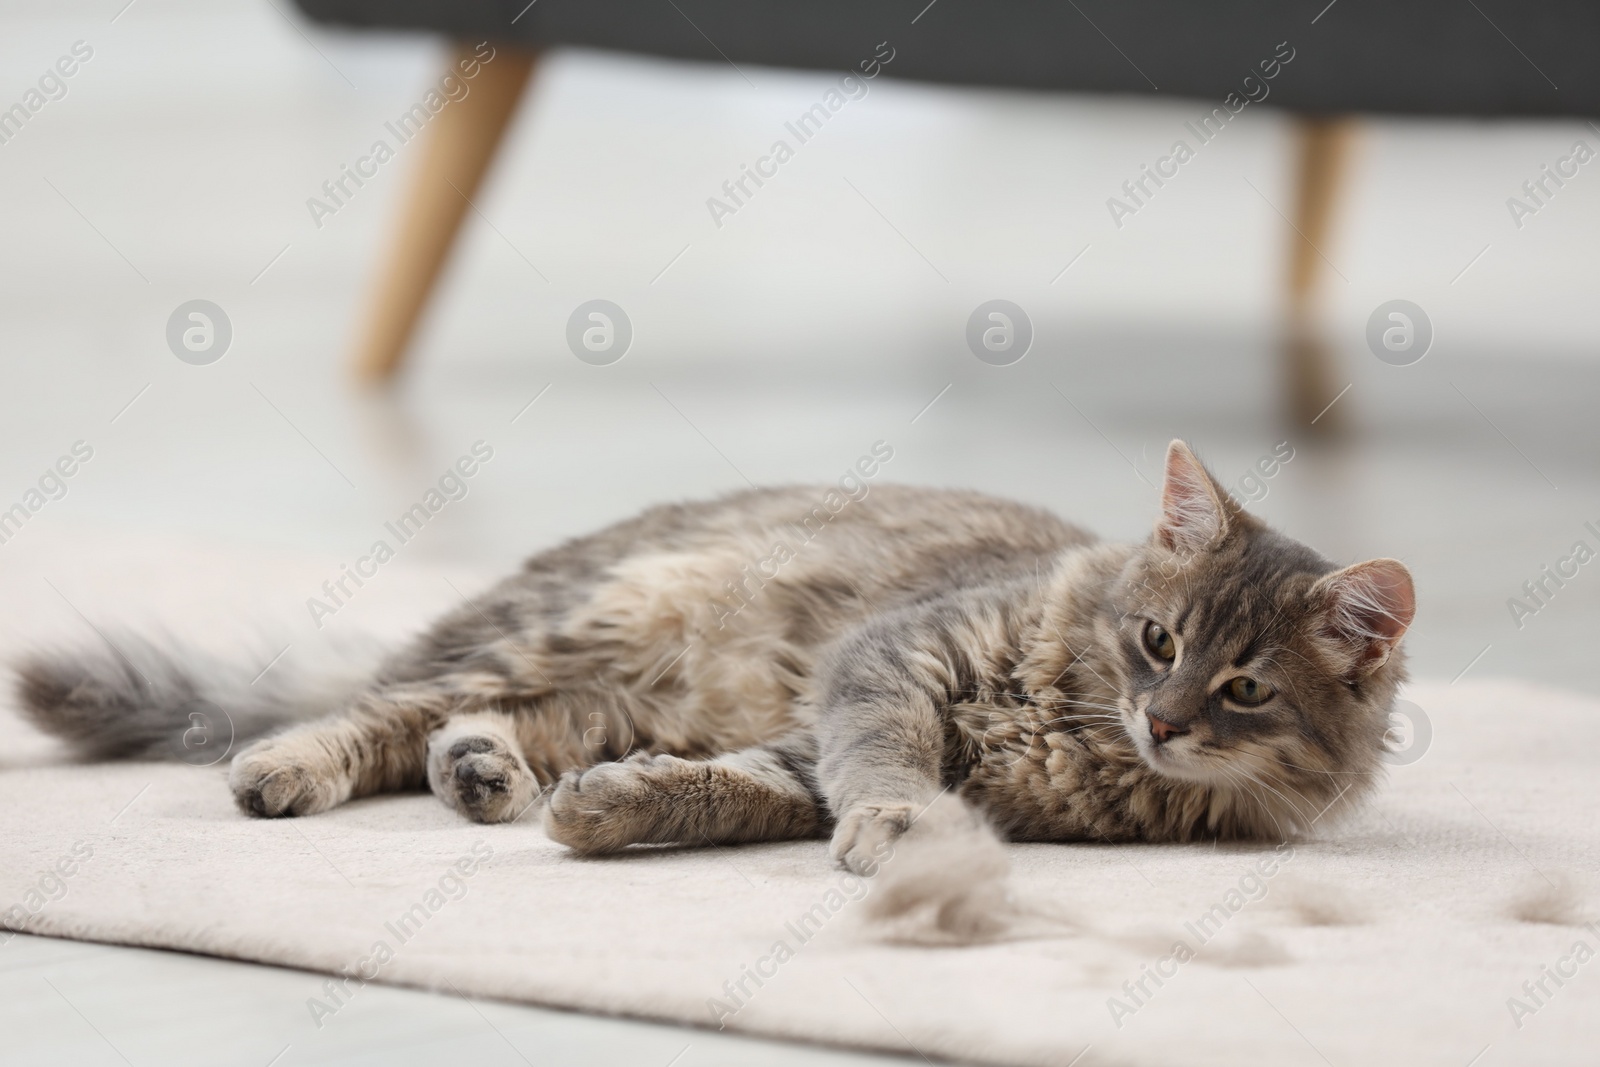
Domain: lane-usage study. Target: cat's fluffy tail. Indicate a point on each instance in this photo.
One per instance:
(130, 697)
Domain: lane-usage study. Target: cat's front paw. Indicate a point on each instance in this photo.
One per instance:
(284, 776)
(610, 805)
(865, 835)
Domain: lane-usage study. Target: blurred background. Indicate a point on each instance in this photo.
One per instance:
(829, 312)
(823, 316)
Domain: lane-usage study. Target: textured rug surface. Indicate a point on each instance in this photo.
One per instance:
(1445, 925)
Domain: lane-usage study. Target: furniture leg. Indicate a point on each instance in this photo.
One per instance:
(458, 146)
(1322, 157)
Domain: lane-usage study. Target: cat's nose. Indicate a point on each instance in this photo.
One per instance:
(1162, 731)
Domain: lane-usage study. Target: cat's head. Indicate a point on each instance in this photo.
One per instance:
(1250, 662)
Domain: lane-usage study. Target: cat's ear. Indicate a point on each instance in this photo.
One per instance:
(1193, 512)
(1366, 608)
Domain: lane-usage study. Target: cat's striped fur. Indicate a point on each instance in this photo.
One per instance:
(911, 641)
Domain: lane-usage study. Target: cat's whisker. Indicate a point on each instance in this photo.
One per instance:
(1259, 798)
(1082, 726)
(1070, 713)
(1319, 770)
(1078, 718)
(1088, 726)
(1259, 780)
(1299, 815)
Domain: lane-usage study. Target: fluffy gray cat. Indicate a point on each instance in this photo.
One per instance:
(771, 665)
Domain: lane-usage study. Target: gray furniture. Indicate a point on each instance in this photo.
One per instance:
(1422, 57)
(1412, 56)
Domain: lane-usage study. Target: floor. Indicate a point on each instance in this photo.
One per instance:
(92, 1004)
(825, 315)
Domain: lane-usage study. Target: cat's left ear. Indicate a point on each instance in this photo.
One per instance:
(1367, 608)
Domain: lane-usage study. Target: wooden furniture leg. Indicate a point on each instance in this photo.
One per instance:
(1322, 157)
(458, 146)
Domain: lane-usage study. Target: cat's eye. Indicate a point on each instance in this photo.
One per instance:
(1159, 642)
(1249, 692)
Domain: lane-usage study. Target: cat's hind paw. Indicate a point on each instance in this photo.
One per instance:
(480, 775)
(284, 776)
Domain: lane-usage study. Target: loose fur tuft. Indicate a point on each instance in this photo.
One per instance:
(945, 880)
(1248, 948)
(1320, 903)
(1556, 899)
(945, 883)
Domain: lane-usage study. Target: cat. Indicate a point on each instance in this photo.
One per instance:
(795, 663)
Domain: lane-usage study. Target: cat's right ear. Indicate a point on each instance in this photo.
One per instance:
(1193, 515)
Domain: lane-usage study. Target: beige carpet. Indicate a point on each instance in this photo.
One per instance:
(1398, 938)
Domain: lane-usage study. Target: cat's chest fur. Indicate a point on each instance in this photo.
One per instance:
(1080, 781)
